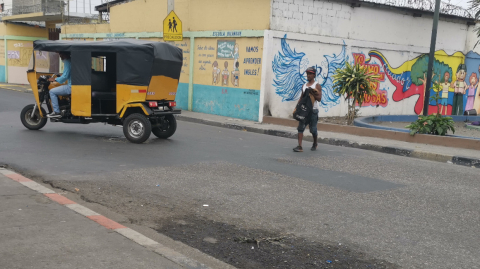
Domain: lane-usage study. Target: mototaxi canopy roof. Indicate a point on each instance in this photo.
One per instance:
(136, 60)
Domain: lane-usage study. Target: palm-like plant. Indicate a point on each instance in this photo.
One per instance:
(356, 83)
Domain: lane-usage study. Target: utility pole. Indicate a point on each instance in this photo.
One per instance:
(170, 6)
(431, 58)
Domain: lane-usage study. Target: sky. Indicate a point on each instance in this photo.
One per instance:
(462, 3)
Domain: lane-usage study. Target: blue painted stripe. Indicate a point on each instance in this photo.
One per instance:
(2, 74)
(225, 101)
(182, 96)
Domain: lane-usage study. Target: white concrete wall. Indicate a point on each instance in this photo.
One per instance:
(7, 4)
(320, 29)
(337, 19)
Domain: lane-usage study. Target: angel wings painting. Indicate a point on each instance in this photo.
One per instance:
(289, 68)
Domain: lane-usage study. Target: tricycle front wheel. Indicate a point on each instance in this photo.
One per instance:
(137, 128)
(35, 121)
(167, 129)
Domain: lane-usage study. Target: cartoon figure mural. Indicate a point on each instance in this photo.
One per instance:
(236, 75)
(445, 87)
(471, 91)
(289, 69)
(225, 74)
(460, 87)
(236, 54)
(409, 79)
(476, 103)
(215, 73)
(418, 74)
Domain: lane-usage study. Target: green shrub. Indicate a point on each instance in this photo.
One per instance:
(355, 83)
(434, 124)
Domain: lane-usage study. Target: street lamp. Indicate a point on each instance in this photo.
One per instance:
(431, 58)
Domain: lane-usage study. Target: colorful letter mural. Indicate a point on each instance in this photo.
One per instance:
(381, 98)
(457, 74)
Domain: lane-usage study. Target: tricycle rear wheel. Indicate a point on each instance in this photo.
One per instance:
(33, 123)
(167, 129)
(137, 128)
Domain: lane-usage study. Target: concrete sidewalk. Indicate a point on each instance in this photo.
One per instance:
(466, 157)
(42, 229)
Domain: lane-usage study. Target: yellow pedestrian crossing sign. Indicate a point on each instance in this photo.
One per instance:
(172, 28)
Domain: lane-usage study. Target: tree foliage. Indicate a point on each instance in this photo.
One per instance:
(355, 83)
(420, 68)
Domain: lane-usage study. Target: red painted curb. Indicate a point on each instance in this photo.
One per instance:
(59, 199)
(105, 222)
(18, 178)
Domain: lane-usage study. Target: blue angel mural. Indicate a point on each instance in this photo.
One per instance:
(289, 69)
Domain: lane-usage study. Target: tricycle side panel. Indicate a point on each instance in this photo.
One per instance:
(81, 100)
(162, 88)
(127, 94)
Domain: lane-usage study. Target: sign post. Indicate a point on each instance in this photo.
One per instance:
(172, 28)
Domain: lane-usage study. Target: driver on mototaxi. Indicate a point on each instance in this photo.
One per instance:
(63, 89)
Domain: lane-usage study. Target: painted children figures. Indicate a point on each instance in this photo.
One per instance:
(471, 91)
(225, 75)
(460, 87)
(215, 73)
(236, 75)
(445, 87)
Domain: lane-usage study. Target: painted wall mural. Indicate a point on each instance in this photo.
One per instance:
(400, 90)
(227, 76)
(289, 68)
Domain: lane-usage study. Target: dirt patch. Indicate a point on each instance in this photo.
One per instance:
(333, 120)
(264, 249)
(460, 128)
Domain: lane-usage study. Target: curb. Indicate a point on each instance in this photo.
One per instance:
(133, 235)
(9, 87)
(458, 160)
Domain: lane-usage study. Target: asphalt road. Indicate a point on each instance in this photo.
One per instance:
(413, 213)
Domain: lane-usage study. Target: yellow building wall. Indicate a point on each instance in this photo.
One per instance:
(21, 30)
(19, 54)
(86, 28)
(196, 15)
(3, 28)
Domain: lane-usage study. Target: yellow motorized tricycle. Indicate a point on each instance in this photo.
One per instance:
(132, 83)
